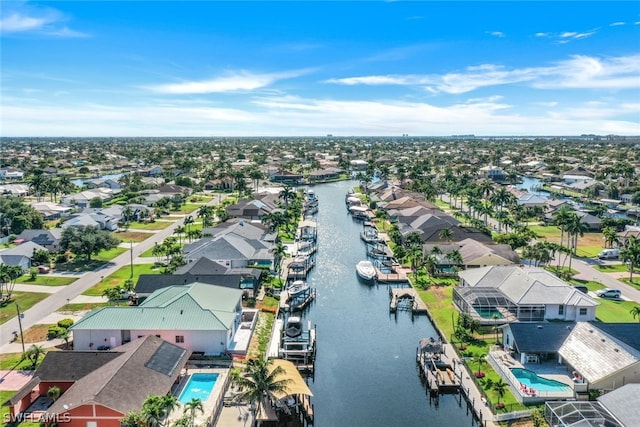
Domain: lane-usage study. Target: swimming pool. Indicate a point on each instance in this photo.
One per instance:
(199, 386)
(488, 313)
(532, 380)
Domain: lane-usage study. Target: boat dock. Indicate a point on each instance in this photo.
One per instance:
(406, 299)
(297, 302)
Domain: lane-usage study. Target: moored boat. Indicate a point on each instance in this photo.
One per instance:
(366, 270)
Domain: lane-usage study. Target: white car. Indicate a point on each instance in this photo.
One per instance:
(609, 293)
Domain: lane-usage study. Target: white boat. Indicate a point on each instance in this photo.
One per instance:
(297, 287)
(366, 271)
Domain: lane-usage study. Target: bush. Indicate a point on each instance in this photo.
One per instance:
(65, 323)
(54, 332)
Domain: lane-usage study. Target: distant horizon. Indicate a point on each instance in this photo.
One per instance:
(296, 68)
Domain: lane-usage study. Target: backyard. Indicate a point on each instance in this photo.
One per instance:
(589, 245)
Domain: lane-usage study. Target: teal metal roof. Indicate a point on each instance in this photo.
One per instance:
(195, 307)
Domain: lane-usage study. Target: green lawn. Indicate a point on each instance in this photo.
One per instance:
(546, 232)
(81, 264)
(635, 283)
(588, 251)
(118, 278)
(77, 307)
(156, 225)
(13, 361)
(46, 280)
(187, 208)
(609, 311)
(110, 254)
(135, 236)
(25, 300)
(612, 268)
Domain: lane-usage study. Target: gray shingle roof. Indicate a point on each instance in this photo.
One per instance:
(623, 404)
(542, 337)
(125, 382)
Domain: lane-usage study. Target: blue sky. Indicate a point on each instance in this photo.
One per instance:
(208, 68)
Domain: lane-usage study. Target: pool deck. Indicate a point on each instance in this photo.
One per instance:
(213, 403)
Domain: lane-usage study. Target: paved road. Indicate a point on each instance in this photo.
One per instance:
(60, 298)
(586, 268)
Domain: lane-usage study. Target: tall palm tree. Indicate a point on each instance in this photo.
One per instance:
(561, 218)
(630, 254)
(188, 220)
(635, 312)
(33, 353)
(446, 234)
(191, 408)
(500, 387)
(180, 230)
(287, 194)
(206, 213)
(261, 382)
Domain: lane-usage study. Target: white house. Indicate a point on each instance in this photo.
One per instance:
(200, 317)
(524, 294)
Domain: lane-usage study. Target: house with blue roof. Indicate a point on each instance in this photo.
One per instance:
(200, 317)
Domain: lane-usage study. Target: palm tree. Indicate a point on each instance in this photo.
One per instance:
(261, 382)
(205, 212)
(630, 254)
(132, 419)
(179, 230)
(53, 393)
(610, 236)
(65, 336)
(415, 256)
(191, 408)
(500, 387)
(455, 257)
(635, 312)
(480, 360)
(188, 220)
(287, 194)
(561, 219)
(33, 353)
(446, 234)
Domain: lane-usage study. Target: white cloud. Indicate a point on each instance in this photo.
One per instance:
(242, 81)
(577, 72)
(570, 36)
(291, 116)
(497, 34)
(16, 22)
(22, 18)
(617, 24)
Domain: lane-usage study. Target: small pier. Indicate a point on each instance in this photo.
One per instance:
(435, 367)
(406, 299)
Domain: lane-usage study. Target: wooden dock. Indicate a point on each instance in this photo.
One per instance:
(406, 299)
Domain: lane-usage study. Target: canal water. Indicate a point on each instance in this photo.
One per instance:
(366, 373)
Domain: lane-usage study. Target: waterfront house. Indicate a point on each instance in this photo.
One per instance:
(429, 228)
(83, 198)
(474, 254)
(285, 177)
(525, 294)
(324, 175)
(200, 317)
(202, 270)
(250, 209)
(599, 356)
(529, 200)
(494, 173)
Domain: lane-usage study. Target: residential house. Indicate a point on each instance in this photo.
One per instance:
(324, 175)
(199, 317)
(202, 270)
(530, 200)
(603, 356)
(100, 387)
(51, 211)
(20, 255)
(494, 173)
(474, 254)
(151, 171)
(104, 183)
(623, 404)
(250, 209)
(83, 198)
(430, 226)
(48, 239)
(358, 165)
(20, 190)
(232, 251)
(10, 174)
(518, 293)
(285, 177)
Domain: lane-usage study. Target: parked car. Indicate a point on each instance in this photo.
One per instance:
(609, 293)
(43, 269)
(609, 253)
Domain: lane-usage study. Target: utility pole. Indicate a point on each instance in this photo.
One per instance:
(131, 242)
(20, 324)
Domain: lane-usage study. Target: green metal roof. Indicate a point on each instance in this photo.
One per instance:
(195, 307)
